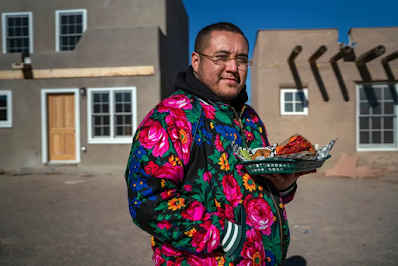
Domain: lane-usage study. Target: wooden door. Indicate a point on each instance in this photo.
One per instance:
(61, 127)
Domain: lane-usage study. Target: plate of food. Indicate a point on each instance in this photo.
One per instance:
(294, 155)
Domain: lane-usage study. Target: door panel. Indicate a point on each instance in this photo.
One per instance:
(61, 127)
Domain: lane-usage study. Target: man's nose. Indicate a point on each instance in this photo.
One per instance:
(232, 65)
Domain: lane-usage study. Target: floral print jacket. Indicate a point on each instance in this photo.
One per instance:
(186, 189)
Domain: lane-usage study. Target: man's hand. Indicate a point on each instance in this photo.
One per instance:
(283, 181)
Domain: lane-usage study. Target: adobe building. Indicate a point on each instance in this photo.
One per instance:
(77, 77)
(304, 81)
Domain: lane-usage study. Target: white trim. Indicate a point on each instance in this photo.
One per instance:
(44, 124)
(111, 139)
(8, 122)
(282, 101)
(374, 148)
(4, 30)
(57, 23)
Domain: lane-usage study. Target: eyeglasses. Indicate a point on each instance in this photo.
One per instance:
(223, 59)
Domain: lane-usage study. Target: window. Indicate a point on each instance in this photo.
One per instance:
(377, 126)
(17, 33)
(112, 115)
(5, 109)
(70, 26)
(294, 101)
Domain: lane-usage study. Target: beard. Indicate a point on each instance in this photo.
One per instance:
(226, 96)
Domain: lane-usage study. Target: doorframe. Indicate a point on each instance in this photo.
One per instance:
(44, 124)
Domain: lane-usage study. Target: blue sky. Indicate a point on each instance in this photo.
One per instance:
(254, 15)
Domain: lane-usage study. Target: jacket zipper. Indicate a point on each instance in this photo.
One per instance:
(280, 220)
(242, 131)
(269, 189)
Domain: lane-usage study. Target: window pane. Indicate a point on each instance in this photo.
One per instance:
(378, 92)
(364, 108)
(97, 131)
(105, 97)
(377, 110)
(128, 119)
(119, 131)
(119, 108)
(299, 107)
(63, 19)
(3, 101)
(389, 108)
(128, 130)
(127, 97)
(288, 96)
(376, 137)
(96, 97)
(106, 131)
(97, 120)
(106, 120)
(119, 120)
(3, 115)
(79, 19)
(376, 123)
(119, 97)
(300, 96)
(388, 93)
(105, 108)
(97, 108)
(364, 137)
(288, 107)
(388, 137)
(362, 95)
(363, 123)
(389, 123)
(127, 107)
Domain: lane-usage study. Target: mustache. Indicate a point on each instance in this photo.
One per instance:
(237, 78)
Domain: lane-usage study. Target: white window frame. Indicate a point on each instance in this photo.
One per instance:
(376, 147)
(282, 101)
(8, 122)
(112, 139)
(57, 23)
(4, 30)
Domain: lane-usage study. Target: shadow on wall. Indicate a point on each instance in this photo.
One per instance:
(348, 54)
(295, 261)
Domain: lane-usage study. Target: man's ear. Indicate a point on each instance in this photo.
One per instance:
(195, 59)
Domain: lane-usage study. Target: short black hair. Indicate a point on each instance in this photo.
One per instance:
(202, 39)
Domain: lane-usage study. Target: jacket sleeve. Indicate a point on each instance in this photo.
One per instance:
(287, 195)
(161, 202)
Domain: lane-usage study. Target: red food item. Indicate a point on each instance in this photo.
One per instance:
(296, 144)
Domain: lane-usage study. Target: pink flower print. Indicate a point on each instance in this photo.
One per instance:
(173, 173)
(187, 187)
(157, 258)
(207, 176)
(194, 212)
(164, 224)
(168, 194)
(206, 239)
(259, 214)
(249, 135)
(168, 250)
(153, 135)
(175, 102)
(180, 132)
(208, 110)
(231, 190)
(218, 144)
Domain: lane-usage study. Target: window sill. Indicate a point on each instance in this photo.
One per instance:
(380, 149)
(283, 113)
(111, 141)
(5, 125)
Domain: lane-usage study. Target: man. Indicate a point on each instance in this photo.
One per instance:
(185, 187)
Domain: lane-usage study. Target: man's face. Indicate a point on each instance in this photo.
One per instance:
(226, 80)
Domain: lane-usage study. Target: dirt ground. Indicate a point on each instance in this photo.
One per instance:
(80, 219)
